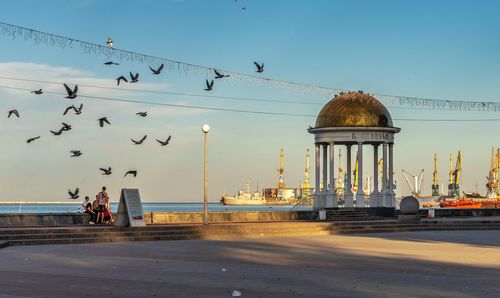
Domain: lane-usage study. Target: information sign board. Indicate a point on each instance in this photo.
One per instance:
(130, 212)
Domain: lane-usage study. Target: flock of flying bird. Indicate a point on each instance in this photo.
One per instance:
(134, 78)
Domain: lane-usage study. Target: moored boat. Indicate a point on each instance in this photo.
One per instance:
(466, 202)
(244, 198)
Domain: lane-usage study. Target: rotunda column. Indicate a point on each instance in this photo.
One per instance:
(384, 176)
(360, 196)
(375, 195)
(392, 194)
(317, 192)
(331, 196)
(325, 170)
(348, 200)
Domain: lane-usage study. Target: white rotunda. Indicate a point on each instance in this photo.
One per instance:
(354, 119)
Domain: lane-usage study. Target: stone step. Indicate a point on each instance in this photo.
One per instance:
(407, 228)
(416, 229)
(354, 218)
(204, 233)
(165, 230)
(153, 237)
(42, 230)
(92, 234)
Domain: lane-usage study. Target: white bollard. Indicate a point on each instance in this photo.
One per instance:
(322, 214)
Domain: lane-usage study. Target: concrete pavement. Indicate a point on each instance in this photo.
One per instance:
(412, 264)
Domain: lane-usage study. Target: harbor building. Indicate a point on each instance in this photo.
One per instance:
(353, 119)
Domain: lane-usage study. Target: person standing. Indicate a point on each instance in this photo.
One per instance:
(101, 199)
(108, 216)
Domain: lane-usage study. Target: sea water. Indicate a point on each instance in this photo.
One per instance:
(11, 208)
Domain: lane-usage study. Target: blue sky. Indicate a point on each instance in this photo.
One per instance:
(436, 49)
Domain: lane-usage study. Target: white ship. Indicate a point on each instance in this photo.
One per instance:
(244, 197)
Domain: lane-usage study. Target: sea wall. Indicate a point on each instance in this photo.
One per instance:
(233, 216)
(158, 217)
(462, 212)
(64, 219)
(43, 219)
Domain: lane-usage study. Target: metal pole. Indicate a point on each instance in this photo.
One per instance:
(205, 183)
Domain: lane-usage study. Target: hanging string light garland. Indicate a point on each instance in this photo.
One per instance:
(110, 52)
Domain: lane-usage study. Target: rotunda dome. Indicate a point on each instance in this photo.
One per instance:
(354, 109)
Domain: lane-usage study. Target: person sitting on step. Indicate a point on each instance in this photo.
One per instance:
(87, 207)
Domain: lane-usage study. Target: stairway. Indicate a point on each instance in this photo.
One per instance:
(104, 234)
(350, 215)
(100, 234)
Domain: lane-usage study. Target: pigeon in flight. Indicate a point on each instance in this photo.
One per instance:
(157, 71)
(57, 133)
(32, 139)
(121, 78)
(13, 112)
(71, 93)
(78, 110)
(142, 114)
(260, 67)
(166, 141)
(219, 75)
(37, 92)
(72, 107)
(140, 141)
(73, 195)
(65, 127)
(102, 121)
(134, 79)
(106, 171)
(111, 63)
(131, 173)
(75, 153)
(209, 85)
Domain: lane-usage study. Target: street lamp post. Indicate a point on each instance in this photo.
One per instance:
(205, 128)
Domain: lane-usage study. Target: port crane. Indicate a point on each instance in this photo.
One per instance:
(416, 187)
(367, 186)
(281, 170)
(435, 182)
(455, 174)
(306, 184)
(492, 186)
(306, 190)
(339, 188)
(355, 174)
(306, 187)
(281, 180)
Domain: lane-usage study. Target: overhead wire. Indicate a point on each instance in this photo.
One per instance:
(114, 99)
(170, 92)
(281, 101)
(167, 104)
